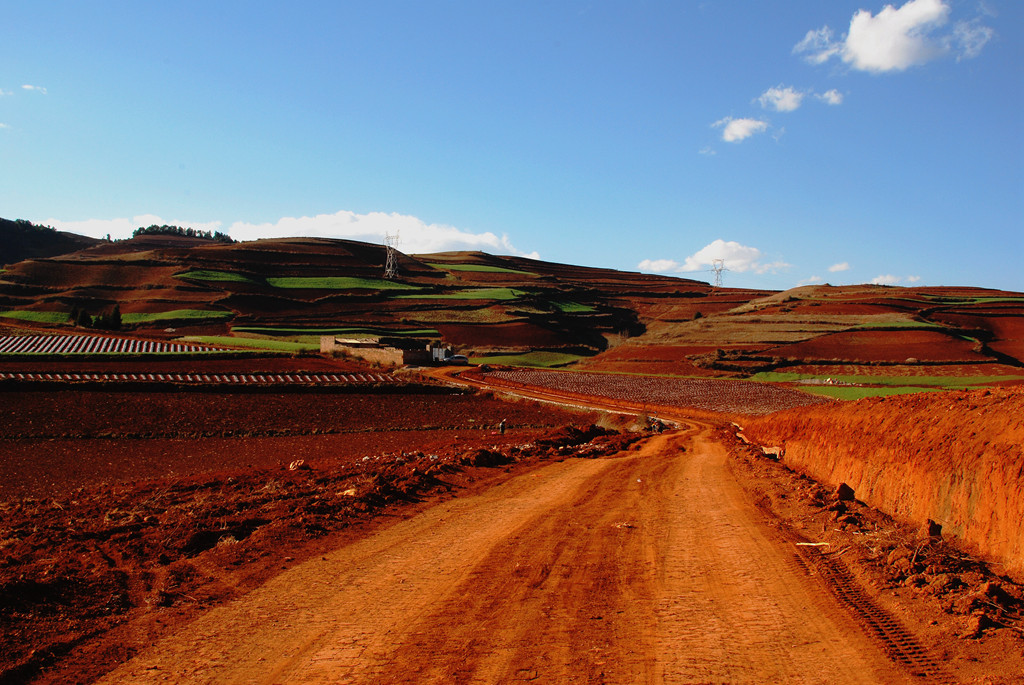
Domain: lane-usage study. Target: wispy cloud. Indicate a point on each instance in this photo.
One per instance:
(812, 280)
(896, 39)
(735, 130)
(415, 234)
(735, 256)
(831, 97)
(37, 89)
(889, 279)
(781, 98)
(841, 266)
(3, 126)
(971, 37)
(5, 92)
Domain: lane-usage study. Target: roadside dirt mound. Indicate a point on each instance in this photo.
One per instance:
(954, 458)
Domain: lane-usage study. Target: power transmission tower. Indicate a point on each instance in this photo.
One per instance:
(718, 266)
(391, 264)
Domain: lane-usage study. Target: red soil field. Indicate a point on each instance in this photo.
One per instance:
(517, 334)
(713, 395)
(883, 346)
(909, 371)
(55, 441)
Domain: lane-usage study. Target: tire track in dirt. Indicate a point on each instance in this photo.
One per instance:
(648, 567)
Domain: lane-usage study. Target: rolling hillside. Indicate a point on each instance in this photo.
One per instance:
(517, 310)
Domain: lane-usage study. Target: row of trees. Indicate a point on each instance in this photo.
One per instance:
(215, 236)
(107, 321)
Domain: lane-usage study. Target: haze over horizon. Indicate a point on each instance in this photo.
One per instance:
(801, 142)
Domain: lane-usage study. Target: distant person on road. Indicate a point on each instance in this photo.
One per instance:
(501, 427)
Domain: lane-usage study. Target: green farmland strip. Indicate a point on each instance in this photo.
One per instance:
(573, 308)
(941, 382)
(337, 283)
(38, 317)
(856, 393)
(174, 314)
(206, 275)
(499, 294)
(479, 268)
(251, 343)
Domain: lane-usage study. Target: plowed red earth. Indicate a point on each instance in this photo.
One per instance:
(885, 346)
(649, 565)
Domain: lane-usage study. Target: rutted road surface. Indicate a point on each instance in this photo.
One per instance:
(648, 567)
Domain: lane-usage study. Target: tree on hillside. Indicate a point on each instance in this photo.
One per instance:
(110, 321)
(215, 236)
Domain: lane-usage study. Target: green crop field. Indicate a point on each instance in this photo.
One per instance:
(37, 317)
(479, 268)
(573, 308)
(939, 382)
(337, 283)
(173, 315)
(252, 343)
(206, 275)
(494, 294)
(858, 393)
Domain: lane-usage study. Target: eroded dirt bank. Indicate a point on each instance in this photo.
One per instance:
(952, 457)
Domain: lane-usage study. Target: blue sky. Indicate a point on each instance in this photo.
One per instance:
(799, 141)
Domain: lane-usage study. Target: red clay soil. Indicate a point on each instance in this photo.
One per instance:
(114, 434)
(963, 611)
(110, 541)
(723, 397)
(498, 335)
(883, 346)
(952, 457)
(674, 360)
(909, 371)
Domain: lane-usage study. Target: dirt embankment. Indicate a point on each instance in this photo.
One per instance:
(954, 458)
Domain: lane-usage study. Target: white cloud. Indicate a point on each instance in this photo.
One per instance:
(896, 39)
(970, 37)
(831, 97)
(38, 89)
(889, 279)
(781, 98)
(735, 130)
(661, 266)
(813, 280)
(736, 257)
(819, 46)
(3, 126)
(841, 266)
(415, 235)
(122, 228)
(708, 151)
(5, 92)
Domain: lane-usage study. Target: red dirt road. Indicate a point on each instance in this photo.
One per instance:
(652, 566)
